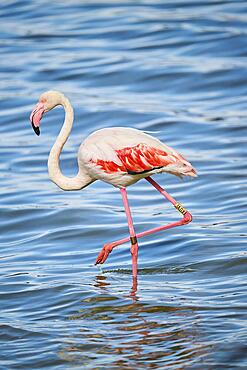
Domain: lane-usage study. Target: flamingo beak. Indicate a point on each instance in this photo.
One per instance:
(35, 117)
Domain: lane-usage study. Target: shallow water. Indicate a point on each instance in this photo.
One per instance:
(178, 70)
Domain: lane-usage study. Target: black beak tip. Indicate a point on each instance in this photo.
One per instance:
(36, 130)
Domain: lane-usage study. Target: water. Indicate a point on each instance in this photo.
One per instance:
(176, 69)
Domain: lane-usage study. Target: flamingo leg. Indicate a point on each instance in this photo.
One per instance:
(187, 218)
(133, 239)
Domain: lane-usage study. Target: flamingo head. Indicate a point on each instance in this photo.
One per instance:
(47, 101)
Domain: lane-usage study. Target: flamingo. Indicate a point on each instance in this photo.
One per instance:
(119, 156)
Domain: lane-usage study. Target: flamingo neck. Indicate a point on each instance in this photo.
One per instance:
(82, 179)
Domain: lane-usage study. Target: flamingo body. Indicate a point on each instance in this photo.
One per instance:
(122, 156)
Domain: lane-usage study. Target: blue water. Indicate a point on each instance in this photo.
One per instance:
(178, 70)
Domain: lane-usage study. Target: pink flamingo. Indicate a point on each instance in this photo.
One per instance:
(119, 156)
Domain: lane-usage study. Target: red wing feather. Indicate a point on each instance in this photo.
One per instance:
(109, 166)
(142, 158)
(137, 159)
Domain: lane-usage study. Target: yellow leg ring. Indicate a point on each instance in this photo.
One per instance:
(180, 208)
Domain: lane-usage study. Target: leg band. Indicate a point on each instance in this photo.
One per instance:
(180, 208)
(133, 240)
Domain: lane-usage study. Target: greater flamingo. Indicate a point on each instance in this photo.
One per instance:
(119, 156)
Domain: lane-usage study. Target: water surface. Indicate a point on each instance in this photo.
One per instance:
(176, 69)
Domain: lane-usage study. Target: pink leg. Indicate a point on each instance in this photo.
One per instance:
(133, 239)
(187, 218)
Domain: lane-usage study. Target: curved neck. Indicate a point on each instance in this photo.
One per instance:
(66, 183)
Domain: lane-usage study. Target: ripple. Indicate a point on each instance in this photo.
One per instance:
(176, 70)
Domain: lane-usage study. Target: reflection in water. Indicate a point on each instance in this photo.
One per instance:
(132, 334)
(134, 288)
(101, 282)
